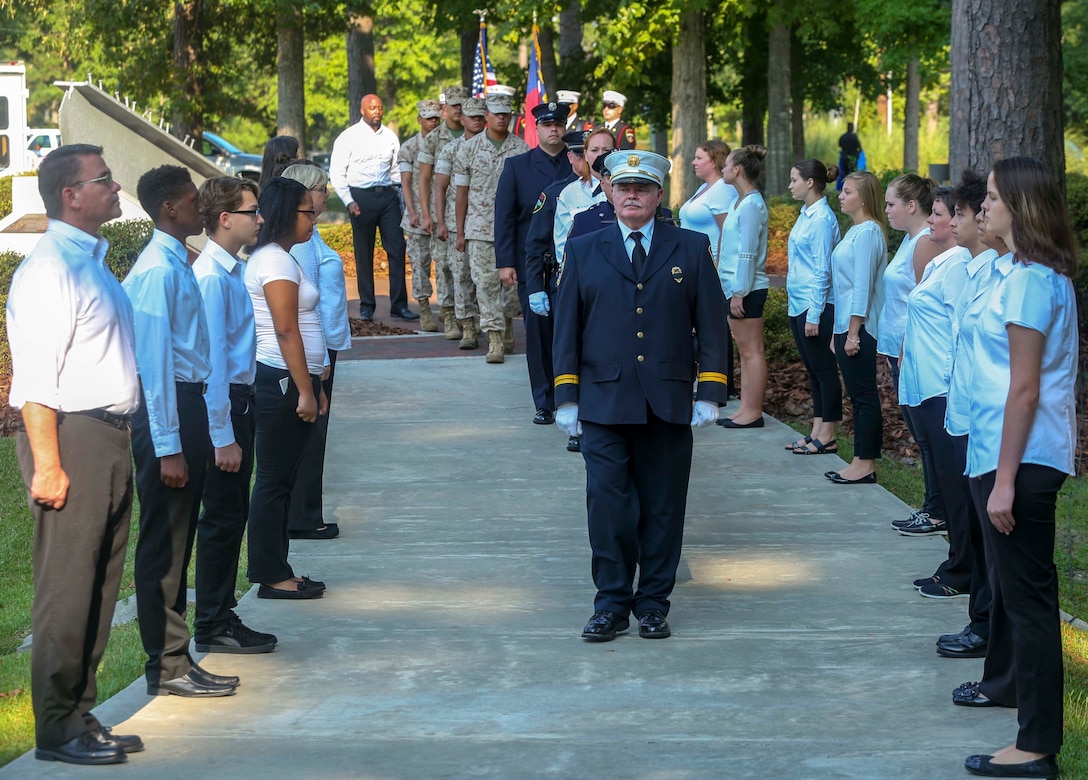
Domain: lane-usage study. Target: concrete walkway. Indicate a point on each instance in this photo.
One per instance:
(448, 643)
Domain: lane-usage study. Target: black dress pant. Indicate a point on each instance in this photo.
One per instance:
(819, 362)
(978, 608)
(636, 496)
(168, 520)
(79, 554)
(538, 350)
(379, 210)
(928, 418)
(859, 376)
(1024, 656)
(222, 524)
(281, 440)
(931, 503)
(306, 494)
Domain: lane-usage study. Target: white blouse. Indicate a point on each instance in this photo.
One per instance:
(898, 282)
(271, 263)
(742, 264)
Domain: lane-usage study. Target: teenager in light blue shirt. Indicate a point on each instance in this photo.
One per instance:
(1020, 449)
(811, 313)
(705, 211)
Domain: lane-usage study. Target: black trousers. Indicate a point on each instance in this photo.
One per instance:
(222, 524)
(928, 418)
(538, 350)
(978, 608)
(305, 513)
(819, 362)
(636, 497)
(859, 376)
(79, 554)
(168, 520)
(1024, 656)
(379, 211)
(281, 440)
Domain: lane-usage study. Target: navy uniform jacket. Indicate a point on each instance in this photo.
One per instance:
(601, 216)
(621, 343)
(540, 239)
(522, 180)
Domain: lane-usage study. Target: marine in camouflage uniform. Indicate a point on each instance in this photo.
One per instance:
(429, 112)
(444, 264)
(476, 174)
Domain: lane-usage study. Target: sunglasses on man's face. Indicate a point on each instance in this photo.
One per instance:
(611, 105)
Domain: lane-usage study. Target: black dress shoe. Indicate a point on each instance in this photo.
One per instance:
(969, 694)
(367, 315)
(199, 672)
(970, 645)
(307, 589)
(190, 685)
(326, 531)
(983, 765)
(87, 748)
(129, 743)
(944, 638)
(652, 625)
(727, 423)
(604, 626)
(839, 479)
(574, 444)
(544, 417)
(404, 314)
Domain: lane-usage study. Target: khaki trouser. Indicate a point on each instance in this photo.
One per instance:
(497, 301)
(419, 253)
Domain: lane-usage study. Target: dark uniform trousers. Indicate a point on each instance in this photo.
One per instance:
(859, 376)
(222, 524)
(168, 521)
(978, 608)
(379, 210)
(1024, 656)
(306, 506)
(637, 491)
(79, 554)
(819, 362)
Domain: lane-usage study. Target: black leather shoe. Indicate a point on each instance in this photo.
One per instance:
(129, 743)
(652, 625)
(84, 749)
(574, 444)
(367, 315)
(307, 589)
(970, 645)
(215, 679)
(191, 685)
(326, 531)
(404, 314)
(604, 626)
(725, 422)
(944, 638)
(544, 417)
(1040, 767)
(969, 695)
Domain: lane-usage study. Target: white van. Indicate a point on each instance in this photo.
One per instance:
(41, 142)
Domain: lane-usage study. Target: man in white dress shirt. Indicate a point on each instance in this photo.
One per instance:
(72, 346)
(364, 159)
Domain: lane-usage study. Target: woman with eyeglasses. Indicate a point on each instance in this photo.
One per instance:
(291, 360)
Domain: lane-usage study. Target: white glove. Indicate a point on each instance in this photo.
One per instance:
(539, 304)
(566, 417)
(703, 414)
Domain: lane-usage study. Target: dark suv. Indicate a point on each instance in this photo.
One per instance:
(230, 158)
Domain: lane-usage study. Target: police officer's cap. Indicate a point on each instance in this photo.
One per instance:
(638, 166)
(551, 112)
(576, 140)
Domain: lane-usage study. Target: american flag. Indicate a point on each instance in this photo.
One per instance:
(483, 75)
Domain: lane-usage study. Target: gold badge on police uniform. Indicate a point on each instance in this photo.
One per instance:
(633, 161)
(677, 274)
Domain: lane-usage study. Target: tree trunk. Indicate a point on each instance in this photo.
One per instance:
(188, 113)
(754, 78)
(779, 129)
(547, 61)
(688, 104)
(797, 91)
(470, 38)
(912, 114)
(361, 78)
(290, 67)
(1006, 97)
(572, 72)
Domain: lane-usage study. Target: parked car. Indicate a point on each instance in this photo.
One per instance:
(230, 158)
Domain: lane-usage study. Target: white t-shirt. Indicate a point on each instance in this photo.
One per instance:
(271, 264)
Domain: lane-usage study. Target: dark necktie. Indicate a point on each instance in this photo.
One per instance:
(638, 254)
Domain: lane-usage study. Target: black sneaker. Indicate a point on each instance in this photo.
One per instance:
(939, 591)
(897, 524)
(237, 637)
(926, 581)
(923, 525)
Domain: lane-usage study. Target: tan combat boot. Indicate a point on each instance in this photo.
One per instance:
(494, 346)
(426, 317)
(468, 334)
(449, 324)
(508, 336)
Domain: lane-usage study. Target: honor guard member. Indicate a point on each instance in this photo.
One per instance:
(476, 175)
(625, 362)
(613, 119)
(583, 194)
(523, 178)
(428, 114)
(69, 325)
(571, 98)
(450, 129)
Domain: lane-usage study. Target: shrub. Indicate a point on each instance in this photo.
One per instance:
(127, 239)
(781, 214)
(9, 261)
(5, 197)
(338, 237)
(778, 343)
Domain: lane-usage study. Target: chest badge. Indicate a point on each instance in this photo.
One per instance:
(677, 274)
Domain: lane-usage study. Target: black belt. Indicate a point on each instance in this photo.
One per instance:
(376, 188)
(120, 421)
(236, 387)
(195, 388)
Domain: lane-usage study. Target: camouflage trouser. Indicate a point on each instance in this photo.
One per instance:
(441, 252)
(497, 301)
(419, 252)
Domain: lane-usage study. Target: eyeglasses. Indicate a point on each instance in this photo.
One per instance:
(252, 212)
(107, 180)
(611, 105)
(311, 212)
(320, 189)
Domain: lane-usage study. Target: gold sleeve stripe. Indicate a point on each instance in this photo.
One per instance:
(713, 376)
(566, 379)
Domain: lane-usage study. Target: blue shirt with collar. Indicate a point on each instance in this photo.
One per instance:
(647, 231)
(325, 269)
(812, 240)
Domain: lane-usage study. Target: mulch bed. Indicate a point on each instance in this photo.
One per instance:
(374, 328)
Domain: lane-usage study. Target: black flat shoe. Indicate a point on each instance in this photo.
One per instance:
(983, 765)
(306, 590)
(839, 479)
(543, 417)
(87, 748)
(604, 626)
(327, 531)
(652, 625)
(727, 423)
(969, 694)
(574, 444)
